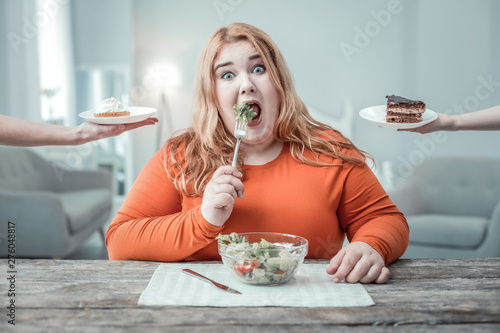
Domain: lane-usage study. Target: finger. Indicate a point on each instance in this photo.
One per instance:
(384, 275)
(127, 127)
(335, 262)
(372, 274)
(227, 179)
(358, 272)
(217, 187)
(227, 174)
(118, 128)
(348, 262)
(222, 189)
(409, 130)
(106, 131)
(227, 170)
(144, 122)
(223, 200)
(236, 183)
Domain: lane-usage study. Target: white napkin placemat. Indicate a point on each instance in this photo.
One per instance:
(310, 287)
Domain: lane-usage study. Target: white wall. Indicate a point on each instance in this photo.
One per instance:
(102, 32)
(22, 90)
(495, 45)
(171, 34)
(434, 51)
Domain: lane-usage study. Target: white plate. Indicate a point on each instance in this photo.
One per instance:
(137, 113)
(376, 114)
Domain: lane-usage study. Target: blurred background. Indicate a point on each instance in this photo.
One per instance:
(61, 57)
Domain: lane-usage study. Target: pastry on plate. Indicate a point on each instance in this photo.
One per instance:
(110, 107)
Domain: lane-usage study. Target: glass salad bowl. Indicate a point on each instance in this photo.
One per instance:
(262, 258)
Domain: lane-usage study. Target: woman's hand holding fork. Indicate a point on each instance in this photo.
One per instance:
(220, 194)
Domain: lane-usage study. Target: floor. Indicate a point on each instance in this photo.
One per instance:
(93, 248)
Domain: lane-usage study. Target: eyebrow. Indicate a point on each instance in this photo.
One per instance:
(252, 57)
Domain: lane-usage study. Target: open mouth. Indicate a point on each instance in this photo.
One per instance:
(256, 108)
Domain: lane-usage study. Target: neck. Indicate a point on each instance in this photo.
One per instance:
(259, 155)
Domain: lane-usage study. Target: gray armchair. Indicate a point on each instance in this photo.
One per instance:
(453, 208)
(54, 210)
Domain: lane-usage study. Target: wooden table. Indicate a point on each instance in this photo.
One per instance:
(452, 295)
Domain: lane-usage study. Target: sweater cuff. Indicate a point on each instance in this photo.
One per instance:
(376, 245)
(208, 229)
(389, 240)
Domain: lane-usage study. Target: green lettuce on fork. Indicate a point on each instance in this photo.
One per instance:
(244, 112)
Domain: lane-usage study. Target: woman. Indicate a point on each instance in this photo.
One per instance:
(295, 175)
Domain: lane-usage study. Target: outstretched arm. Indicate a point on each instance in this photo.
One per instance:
(24, 133)
(483, 120)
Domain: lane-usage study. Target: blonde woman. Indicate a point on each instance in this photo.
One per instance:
(294, 175)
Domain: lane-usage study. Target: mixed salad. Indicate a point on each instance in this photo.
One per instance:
(259, 263)
(244, 112)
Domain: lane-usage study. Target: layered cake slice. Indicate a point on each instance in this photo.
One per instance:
(403, 110)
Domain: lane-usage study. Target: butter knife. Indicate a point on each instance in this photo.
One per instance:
(212, 282)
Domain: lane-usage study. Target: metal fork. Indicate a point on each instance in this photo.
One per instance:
(240, 131)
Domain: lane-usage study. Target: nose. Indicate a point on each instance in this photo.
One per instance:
(247, 86)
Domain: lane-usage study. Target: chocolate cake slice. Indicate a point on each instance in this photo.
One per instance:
(404, 110)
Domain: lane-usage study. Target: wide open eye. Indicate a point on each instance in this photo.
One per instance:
(259, 69)
(227, 76)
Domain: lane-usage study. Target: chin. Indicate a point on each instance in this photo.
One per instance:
(258, 138)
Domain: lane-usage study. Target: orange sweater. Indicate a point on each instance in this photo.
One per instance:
(322, 204)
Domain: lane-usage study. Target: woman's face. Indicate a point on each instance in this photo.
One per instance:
(240, 76)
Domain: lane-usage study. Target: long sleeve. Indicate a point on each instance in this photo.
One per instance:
(367, 214)
(321, 204)
(151, 224)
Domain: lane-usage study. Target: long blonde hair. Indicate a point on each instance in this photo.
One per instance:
(193, 156)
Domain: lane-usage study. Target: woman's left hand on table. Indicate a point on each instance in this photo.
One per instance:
(358, 262)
